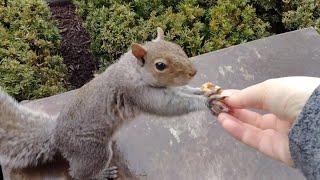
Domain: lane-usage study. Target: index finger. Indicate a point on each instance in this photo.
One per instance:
(250, 97)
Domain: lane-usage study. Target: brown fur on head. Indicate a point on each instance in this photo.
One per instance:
(163, 63)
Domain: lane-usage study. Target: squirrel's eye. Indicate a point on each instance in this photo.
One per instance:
(160, 66)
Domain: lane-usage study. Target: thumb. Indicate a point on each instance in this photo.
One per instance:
(250, 97)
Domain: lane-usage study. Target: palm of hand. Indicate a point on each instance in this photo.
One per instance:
(284, 97)
(266, 133)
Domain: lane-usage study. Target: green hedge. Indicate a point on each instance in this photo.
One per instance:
(287, 15)
(199, 26)
(303, 13)
(30, 66)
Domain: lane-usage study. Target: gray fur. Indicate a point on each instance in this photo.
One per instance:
(25, 135)
(86, 125)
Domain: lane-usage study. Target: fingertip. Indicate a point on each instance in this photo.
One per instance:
(233, 100)
(250, 97)
(233, 127)
(229, 94)
(221, 117)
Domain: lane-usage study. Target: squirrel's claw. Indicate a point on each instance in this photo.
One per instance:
(111, 172)
(215, 102)
(218, 107)
(217, 97)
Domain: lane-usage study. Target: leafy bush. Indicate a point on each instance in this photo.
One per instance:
(199, 26)
(30, 66)
(305, 13)
(234, 22)
(289, 15)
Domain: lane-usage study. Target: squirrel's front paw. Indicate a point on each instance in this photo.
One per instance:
(111, 172)
(216, 104)
(213, 92)
(217, 107)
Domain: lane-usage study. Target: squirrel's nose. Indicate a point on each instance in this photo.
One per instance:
(193, 72)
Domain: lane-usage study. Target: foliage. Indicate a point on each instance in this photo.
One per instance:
(199, 26)
(287, 15)
(234, 22)
(306, 13)
(30, 66)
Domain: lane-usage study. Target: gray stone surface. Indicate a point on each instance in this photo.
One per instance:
(194, 146)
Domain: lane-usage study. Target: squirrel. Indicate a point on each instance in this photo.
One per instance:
(150, 77)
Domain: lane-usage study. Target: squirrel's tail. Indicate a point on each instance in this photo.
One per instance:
(25, 135)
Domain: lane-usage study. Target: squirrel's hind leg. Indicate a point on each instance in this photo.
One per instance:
(91, 162)
(110, 172)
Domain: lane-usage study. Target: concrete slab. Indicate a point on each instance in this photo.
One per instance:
(194, 146)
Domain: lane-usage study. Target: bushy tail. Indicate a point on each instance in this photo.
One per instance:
(25, 135)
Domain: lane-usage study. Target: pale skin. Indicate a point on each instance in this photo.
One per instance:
(282, 99)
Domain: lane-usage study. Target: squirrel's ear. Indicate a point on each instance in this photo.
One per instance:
(139, 52)
(160, 34)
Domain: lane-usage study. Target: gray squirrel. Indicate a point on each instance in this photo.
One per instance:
(150, 78)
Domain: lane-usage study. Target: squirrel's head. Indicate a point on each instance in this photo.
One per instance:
(163, 63)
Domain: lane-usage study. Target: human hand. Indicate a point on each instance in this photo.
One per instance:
(283, 98)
